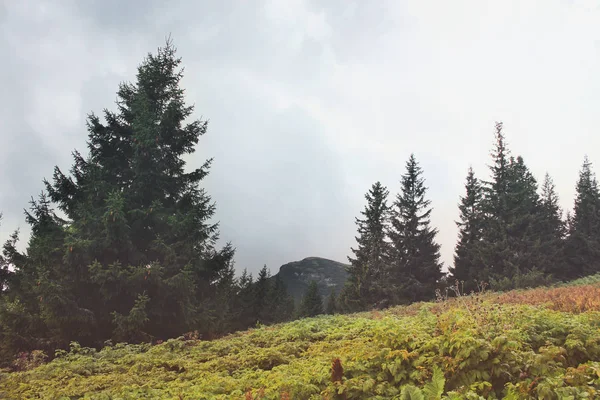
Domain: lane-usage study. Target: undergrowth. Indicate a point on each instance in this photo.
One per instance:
(535, 344)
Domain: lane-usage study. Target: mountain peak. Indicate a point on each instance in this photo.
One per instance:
(327, 273)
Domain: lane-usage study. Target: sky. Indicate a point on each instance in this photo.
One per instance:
(311, 102)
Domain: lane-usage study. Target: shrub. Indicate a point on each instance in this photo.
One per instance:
(530, 279)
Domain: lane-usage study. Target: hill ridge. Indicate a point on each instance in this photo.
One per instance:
(329, 275)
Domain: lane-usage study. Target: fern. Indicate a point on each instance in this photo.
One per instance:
(516, 351)
(411, 392)
(435, 389)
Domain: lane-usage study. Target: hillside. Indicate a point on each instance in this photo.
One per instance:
(328, 274)
(542, 343)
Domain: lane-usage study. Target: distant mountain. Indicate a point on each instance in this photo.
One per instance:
(298, 274)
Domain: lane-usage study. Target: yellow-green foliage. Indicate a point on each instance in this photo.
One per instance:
(473, 349)
(588, 280)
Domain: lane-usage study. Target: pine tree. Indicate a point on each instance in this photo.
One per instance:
(511, 246)
(136, 256)
(260, 296)
(467, 259)
(522, 229)
(245, 301)
(495, 208)
(583, 243)
(5, 272)
(416, 266)
(312, 302)
(552, 231)
(280, 305)
(331, 306)
(226, 308)
(368, 269)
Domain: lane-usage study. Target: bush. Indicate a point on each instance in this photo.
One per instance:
(488, 346)
(530, 279)
(26, 361)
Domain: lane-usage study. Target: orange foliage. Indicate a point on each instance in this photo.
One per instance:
(575, 299)
(337, 372)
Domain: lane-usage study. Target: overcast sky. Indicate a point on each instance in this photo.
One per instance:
(310, 102)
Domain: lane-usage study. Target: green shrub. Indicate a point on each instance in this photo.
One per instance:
(476, 349)
(530, 279)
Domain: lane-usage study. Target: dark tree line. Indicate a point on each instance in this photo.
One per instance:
(512, 234)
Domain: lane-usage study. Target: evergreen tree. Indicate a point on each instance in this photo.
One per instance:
(368, 269)
(245, 301)
(5, 272)
(467, 259)
(331, 307)
(226, 306)
(136, 256)
(416, 266)
(511, 245)
(312, 302)
(522, 224)
(495, 207)
(260, 296)
(280, 304)
(583, 243)
(552, 231)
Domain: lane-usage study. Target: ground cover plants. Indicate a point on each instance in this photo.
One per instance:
(516, 345)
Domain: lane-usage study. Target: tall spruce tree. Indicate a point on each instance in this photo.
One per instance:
(5, 271)
(583, 243)
(511, 245)
(260, 296)
(467, 258)
(552, 231)
(226, 307)
(495, 207)
(522, 224)
(280, 305)
(368, 268)
(136, 256)
(416, 266)
(331, 306)
(245, 301)
(312, 302)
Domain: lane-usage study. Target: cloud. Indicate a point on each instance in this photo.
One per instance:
(311, 102)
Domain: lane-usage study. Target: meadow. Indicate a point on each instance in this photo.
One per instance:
(528, 344)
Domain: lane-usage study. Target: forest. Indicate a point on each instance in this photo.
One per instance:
(123, 248)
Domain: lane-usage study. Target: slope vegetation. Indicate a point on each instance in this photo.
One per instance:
(542, 344)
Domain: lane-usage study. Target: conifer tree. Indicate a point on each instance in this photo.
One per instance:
(511, 244)
(312, 302)
(5, 272)
(416, 266)
(467, 259)
(226, 307)
(522, 223)
(260, 296)
(552, 231)
(136, 256)
(245, 301)
(280, 304)
(331, 306)
(583, 243)
(368, 268)
(495, 208)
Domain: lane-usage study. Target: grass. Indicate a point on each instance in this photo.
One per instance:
(526, 344)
